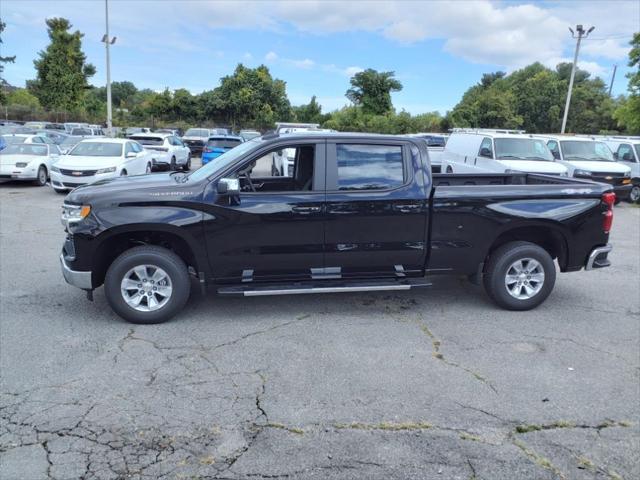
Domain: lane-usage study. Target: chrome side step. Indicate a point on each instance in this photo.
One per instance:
(320, 287)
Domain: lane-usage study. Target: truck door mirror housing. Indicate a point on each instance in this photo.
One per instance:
(556, 154)
(228, 186)
(485, 152)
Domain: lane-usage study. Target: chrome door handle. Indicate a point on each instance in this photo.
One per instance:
(306, 210)
(406, 208)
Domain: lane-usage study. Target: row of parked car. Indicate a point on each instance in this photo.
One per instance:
(608, 159)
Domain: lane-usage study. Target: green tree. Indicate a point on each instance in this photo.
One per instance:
(371, 90)
(183, 105)
(628, 113)
(22, 96)
(252, 97)
(310, 112)
(62, 71)
(3, 60)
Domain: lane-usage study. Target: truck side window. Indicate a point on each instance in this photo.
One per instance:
(369, 167)
(553, 146)
(624, 153)
(486, 149)
(288, 169)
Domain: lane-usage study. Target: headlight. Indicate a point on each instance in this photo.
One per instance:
(73, 213)
(627, 174)
(582, 173)
(21, 164)
(55, 169)
(106, 170)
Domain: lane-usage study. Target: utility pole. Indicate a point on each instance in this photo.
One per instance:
(581, 33)
(613, 77)
(108, 41)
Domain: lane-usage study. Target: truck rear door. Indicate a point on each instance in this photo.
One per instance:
(376, 209)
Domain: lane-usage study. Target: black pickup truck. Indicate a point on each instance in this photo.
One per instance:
(359, 213)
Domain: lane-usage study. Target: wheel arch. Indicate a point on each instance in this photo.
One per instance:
(553, 240)
(113, 243)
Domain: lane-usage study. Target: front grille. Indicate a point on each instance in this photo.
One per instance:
(72, 185)
(194, 143)
(610, 178)
(78, 173)
(5, 176)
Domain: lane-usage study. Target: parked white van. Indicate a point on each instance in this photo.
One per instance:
(626, 151)
(491, 151)
(590, 159)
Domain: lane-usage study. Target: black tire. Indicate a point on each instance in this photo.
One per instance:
(149, 169)
(634, 194)
(172, 165)
(160, 257)
(449, 169)
(187, 166)
(41, 176)
(123, 173)
(500, 262)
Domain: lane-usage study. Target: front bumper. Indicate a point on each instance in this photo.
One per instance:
(622, 191)
(14, 173)
(72, 277)
(598, 257)
(69, 182)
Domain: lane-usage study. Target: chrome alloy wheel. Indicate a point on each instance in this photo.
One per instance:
(524, 278)
(146, 288)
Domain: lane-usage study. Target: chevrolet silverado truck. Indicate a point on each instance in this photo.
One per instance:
(357, 213)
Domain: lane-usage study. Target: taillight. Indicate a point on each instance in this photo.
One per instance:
(609, 199)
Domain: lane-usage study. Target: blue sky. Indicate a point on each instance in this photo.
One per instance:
(437, 48)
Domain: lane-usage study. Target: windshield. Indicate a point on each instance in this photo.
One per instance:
(224, 160)
(11, 139)
(223, 142)
(25, 149)
(522, 149)
(148, 140)
(97, 149)
(589, 151)
(249, 135)
(197, 132)
(637, 147)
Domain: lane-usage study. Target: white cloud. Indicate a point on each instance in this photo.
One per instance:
(351, 71)
(271, 57)
(304, 64)
(247, 56)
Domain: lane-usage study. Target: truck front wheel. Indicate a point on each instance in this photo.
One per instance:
(147, 284)
(519, 275)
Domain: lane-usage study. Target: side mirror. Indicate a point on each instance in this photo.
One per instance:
(131, 155)
(615, 155)
(556, 154)
(485, 152)
(229, 186)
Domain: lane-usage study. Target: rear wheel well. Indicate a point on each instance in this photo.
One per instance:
(551, 240)
(113, 247)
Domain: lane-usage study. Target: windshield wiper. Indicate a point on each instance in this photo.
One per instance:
(538, 158)
(502, 157)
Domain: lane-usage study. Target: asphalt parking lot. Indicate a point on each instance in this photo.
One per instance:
(435, 383)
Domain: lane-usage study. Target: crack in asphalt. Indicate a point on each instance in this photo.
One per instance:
(436, 353)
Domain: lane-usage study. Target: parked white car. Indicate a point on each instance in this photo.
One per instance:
(99, 158)
(590, 159)
(167, 151)
(485, 151)
(28, 161)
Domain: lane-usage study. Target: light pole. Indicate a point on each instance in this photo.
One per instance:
(581, 33)
(108, 41)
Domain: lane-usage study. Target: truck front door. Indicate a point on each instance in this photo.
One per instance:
(274, 228)
(376, 209)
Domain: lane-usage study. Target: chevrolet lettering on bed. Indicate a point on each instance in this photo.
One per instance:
(356, 212)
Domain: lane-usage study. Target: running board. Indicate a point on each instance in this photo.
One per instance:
(321, 287)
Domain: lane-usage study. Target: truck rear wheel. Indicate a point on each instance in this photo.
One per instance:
(147, 284)
(519, 275)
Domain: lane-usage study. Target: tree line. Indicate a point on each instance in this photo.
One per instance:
(531, 98)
